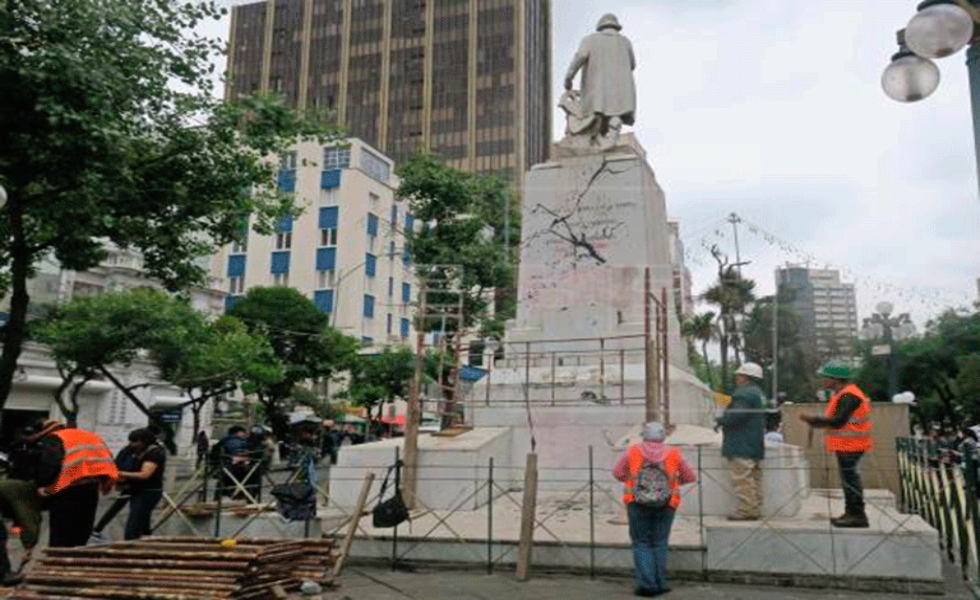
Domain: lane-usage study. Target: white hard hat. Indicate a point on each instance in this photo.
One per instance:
(750, 370)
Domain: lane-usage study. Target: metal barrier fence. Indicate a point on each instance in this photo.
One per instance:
(941, 486)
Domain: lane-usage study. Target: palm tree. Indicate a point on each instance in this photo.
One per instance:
(732, 294)
(702, 328)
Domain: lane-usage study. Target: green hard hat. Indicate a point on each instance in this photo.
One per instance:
(835, 369)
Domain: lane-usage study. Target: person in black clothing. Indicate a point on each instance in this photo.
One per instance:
(128, 459)
(145, 484)
(233, 452)
(203, 445)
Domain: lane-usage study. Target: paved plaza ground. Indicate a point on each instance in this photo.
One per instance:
(359, 583)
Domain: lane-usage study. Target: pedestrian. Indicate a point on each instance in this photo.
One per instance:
(652, 473)
(773, 434)
(127, 459)
(70, 467)
(848, 424)
(743, 426)
(145, 483)
(20, 505)
(232, 460)
(203, 445)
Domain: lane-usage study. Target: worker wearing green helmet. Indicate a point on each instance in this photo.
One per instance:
(847, 422)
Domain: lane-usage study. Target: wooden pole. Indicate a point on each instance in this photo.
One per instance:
(413, 416)
(528, 509)
(665, 350)
(355, 520)
(651, 371)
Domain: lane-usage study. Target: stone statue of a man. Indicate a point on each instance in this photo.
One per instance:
(608, 93)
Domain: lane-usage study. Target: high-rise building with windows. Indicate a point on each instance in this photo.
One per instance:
(469, 80)
(826, 308)
(346, 251)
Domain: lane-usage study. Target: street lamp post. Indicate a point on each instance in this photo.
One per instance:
(939, 29)
(882, 325)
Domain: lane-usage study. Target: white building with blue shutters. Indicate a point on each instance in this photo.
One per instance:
(347, 249)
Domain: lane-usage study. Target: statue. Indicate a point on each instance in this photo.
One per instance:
(607, 100)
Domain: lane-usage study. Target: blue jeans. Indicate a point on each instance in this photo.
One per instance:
(650, 532)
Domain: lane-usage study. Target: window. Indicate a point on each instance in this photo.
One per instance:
(236, 266)
(240, 247)
(236, 285)
(329, 217)
(372, 224)
(388, 323)
(394, 216)
(391, 287)
(407, 293)
(375, 166)
(370, 265)
(284, 241)
(369, 306)
(323, 300)
(328, 237)
(279, 263)
(336, 158)
(281, 279)
(367, 342)
(409, 224)
(326, 259)
(326, 279)
(404, 327)
(288, 161)
(391, 250)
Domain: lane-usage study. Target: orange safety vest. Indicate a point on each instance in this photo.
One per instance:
(672, 466)
(855, 435)
(86, 457)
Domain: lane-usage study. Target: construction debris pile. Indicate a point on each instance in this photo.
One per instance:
(179, 568)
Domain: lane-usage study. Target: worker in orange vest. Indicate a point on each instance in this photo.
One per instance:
(69, 467)
(848, 424)
(652, 473)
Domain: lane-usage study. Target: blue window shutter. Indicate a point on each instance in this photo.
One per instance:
(286, 181)
(285, 224)
(326, 259)
(372, 224)
(370, 265)
(409, 224)
(368, 306)
(323, 300)
(329, 216)
(330, 179)
(404, 327)
(407, 293)
(406, 257)
(230, 302)
(280, 263)
(388, 324)
(236, 266)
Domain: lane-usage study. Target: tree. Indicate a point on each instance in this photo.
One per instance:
(301, 340)
(732, 294)
(91, 337)
(110, 132)
(379, 378)
(702, 329)
(461, 253)
(214, 361)
(796, 371)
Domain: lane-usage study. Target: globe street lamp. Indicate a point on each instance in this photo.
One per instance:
(3, 196)
(939, 29)
(883, 326)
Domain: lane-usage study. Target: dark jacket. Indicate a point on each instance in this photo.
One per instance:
(744, 424)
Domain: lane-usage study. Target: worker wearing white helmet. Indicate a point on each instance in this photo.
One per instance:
(744, 427)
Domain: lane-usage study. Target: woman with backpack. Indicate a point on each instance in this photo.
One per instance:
(652, 473)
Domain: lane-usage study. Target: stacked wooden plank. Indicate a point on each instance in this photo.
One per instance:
(178, 569)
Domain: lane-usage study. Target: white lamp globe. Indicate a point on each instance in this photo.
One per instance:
(3, 196)
(938, 30)
(910, 78)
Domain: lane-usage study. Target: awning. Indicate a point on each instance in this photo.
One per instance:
(468, 373)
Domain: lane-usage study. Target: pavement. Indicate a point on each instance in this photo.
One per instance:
(360, 583)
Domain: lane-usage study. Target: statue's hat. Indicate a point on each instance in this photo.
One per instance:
(607, 21)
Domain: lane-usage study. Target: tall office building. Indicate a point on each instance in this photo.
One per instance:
(826, 308)
(469, 80)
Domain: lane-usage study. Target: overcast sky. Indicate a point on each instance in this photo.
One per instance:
(773, 109)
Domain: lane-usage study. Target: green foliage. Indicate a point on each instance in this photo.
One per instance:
(732, 295)
(461, 245)
(98, 143)
(941, 367)
(702, 329)
(382, 377)
(301, 340)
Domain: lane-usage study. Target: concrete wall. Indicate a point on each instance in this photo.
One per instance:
(879, 468)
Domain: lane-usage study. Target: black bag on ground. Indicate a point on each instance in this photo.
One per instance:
(295, 501)
(391, 512)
